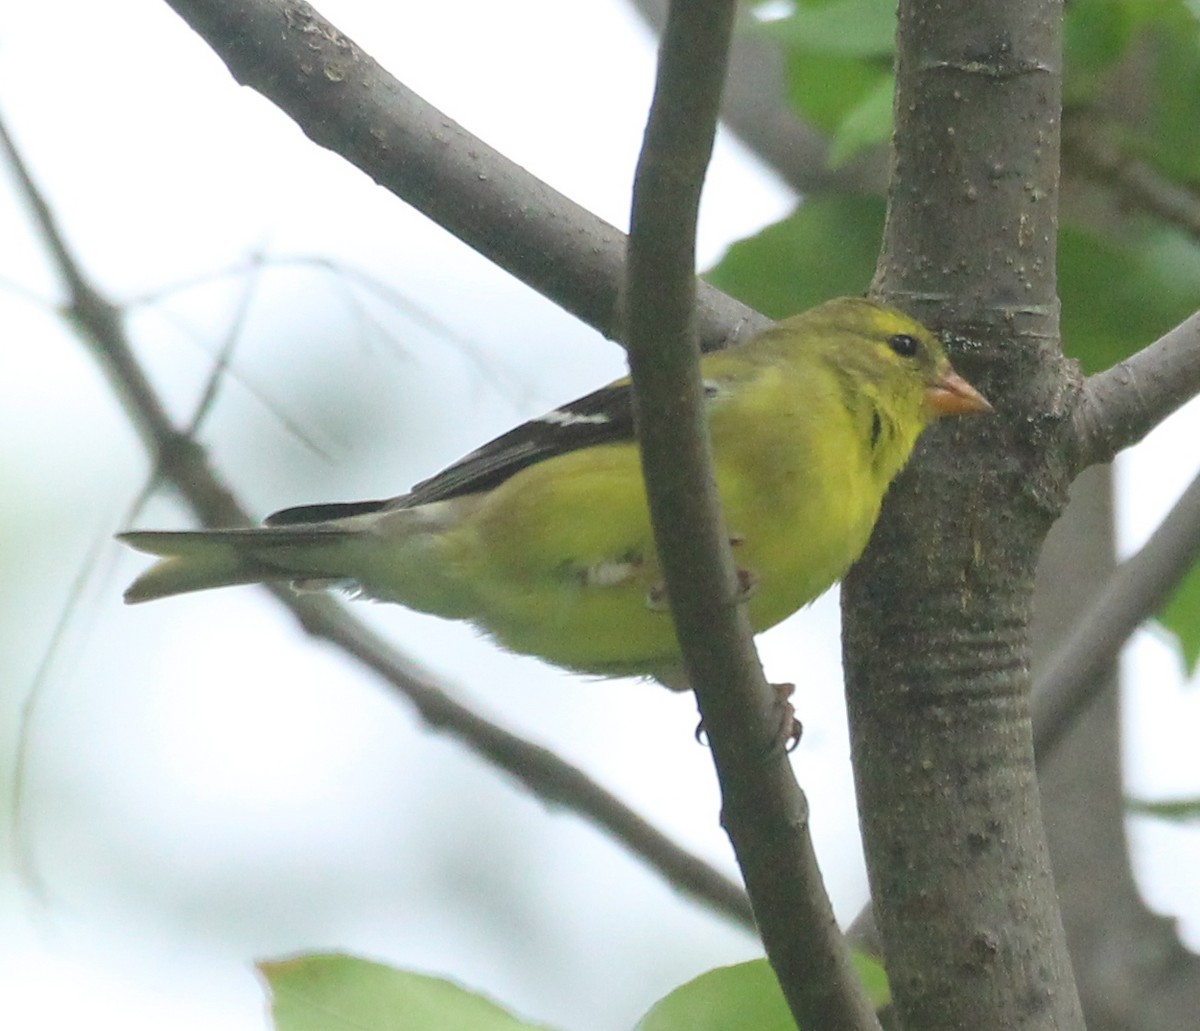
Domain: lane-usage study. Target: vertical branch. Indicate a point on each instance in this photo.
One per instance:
(764, 811)
(937, 613)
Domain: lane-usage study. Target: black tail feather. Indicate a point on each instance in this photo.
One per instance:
(321, 513)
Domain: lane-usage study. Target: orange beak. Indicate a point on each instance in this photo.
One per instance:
(953, 395)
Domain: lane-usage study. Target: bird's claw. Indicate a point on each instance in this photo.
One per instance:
(747, 584)
(790, 728)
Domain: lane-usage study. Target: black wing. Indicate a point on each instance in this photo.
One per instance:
(604, 416)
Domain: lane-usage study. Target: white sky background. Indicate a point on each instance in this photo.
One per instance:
(205, 786)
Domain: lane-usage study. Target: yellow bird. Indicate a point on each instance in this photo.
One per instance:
(542, 537)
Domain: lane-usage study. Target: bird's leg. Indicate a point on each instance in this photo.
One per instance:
(790, 728)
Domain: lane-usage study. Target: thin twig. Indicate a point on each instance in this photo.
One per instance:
(25, 859)
(763, 809)
(347, 280)
(342, 272)
(182, 462)
(221, 365)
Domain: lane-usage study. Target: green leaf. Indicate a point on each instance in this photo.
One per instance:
(744, 997)
(824, 88)
(869, 122)
(852, 28)
(826, 248)
(1181, 617)
(343, 993)
(1183, 810)
(1136, 65)
(1095, 34)
(1175, 146)
(1119, 295)
(874, 979)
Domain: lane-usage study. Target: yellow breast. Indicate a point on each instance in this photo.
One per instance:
(562, 561)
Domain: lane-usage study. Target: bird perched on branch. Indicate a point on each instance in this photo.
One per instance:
(542, 537)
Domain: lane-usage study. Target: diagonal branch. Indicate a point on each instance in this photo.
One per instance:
(183, 463)
(763, 809)
(1121, 405)
(1136, 590)
(345, 101)
(1136, 183)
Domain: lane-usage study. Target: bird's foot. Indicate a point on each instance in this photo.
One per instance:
(656, 598)
(747, 584)
(790, 728)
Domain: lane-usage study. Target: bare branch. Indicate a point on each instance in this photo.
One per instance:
(346, 102)
(935, 614)
(1137, 590)
(763, 809)
(1136, 184)
(183, 463)
(1121, 405)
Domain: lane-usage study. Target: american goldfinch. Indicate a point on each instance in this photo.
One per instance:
(542, 537)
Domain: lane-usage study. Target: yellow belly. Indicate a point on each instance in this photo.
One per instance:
(561, 560)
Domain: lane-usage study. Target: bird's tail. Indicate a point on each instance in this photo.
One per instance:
(197, 561)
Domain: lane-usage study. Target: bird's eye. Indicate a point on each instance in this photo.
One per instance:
(904, 345)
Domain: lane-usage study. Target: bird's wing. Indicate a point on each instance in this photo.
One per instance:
(604, 416)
